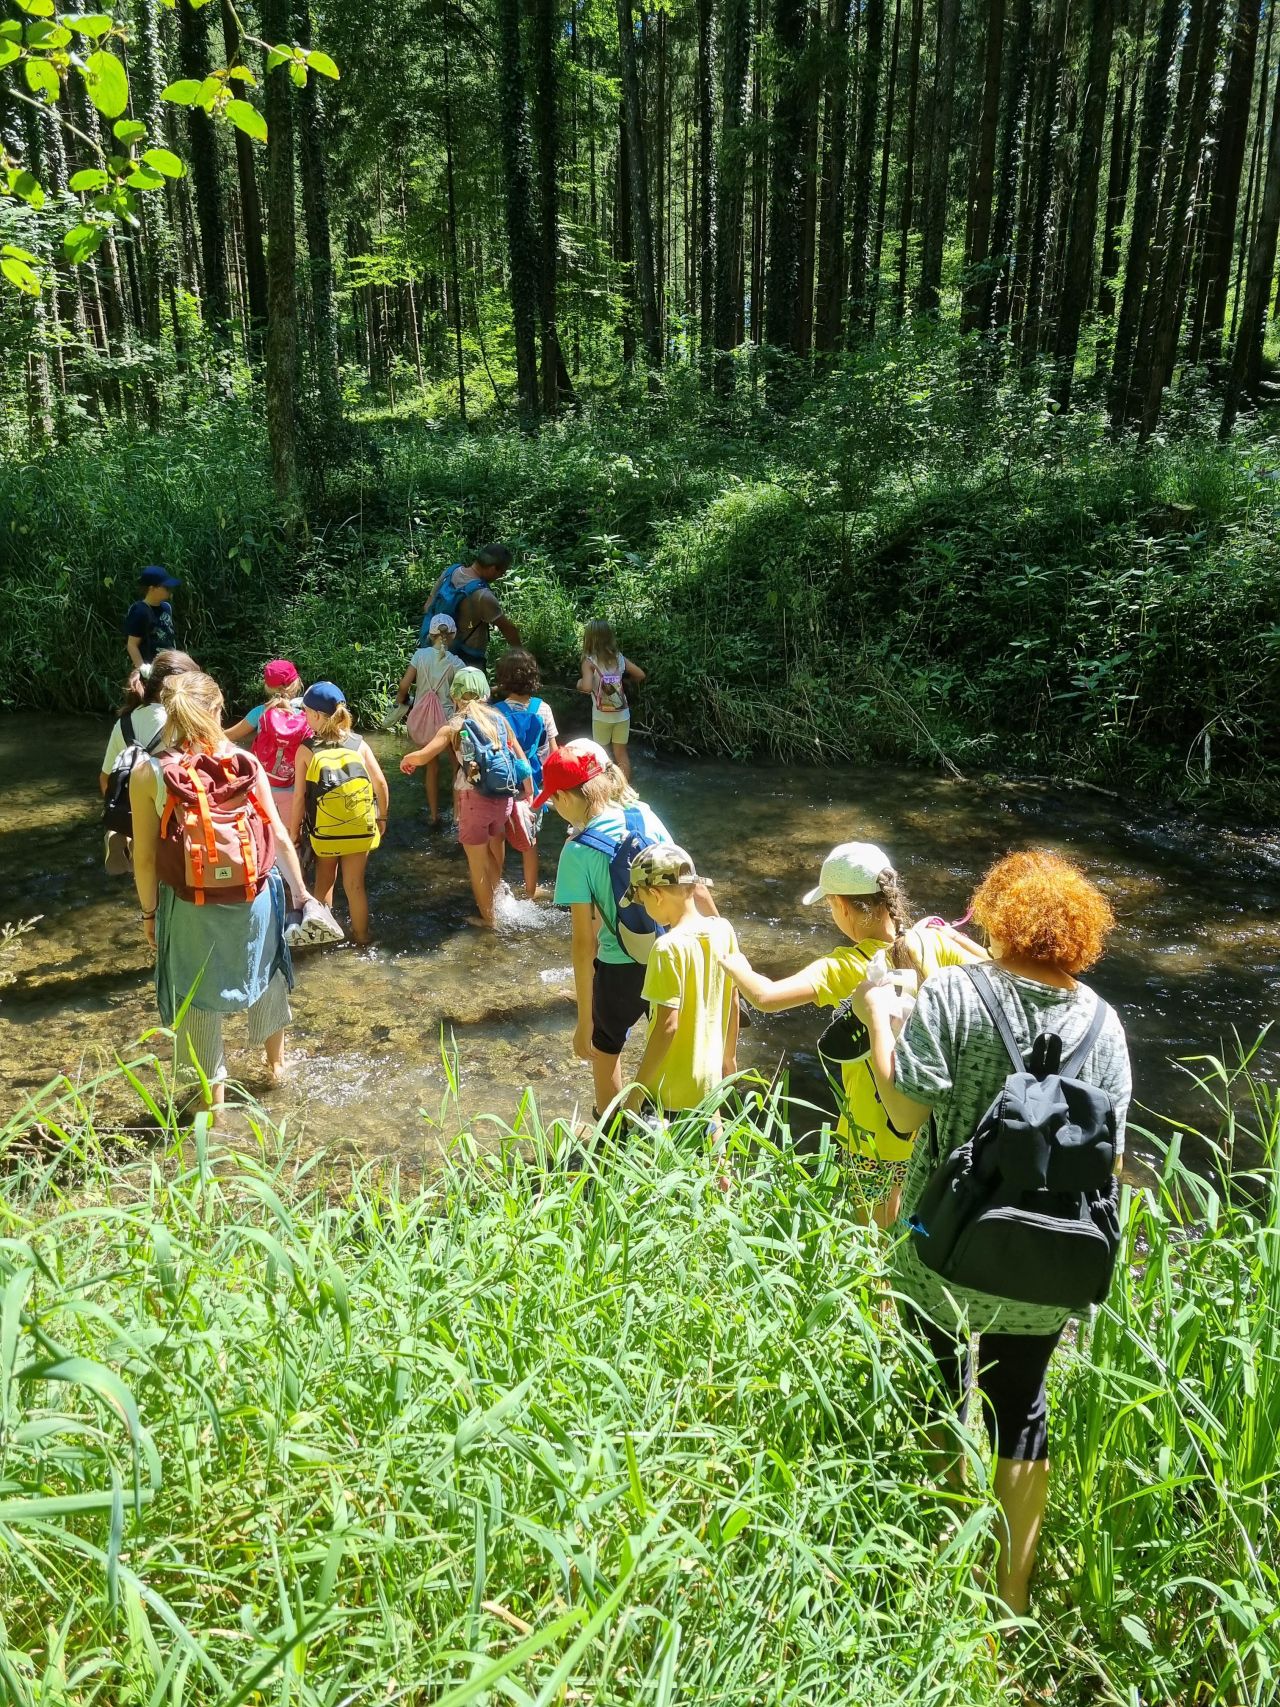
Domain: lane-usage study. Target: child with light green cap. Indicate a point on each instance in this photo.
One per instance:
(693, 1007)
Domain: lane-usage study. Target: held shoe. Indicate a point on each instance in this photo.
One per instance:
(315, 925)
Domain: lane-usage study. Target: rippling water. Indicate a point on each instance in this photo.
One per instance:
(378, 1036)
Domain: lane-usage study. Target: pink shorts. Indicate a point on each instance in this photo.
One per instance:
(482, 817)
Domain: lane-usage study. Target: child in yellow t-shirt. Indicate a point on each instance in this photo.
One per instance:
(693, 1025)
(868, 907)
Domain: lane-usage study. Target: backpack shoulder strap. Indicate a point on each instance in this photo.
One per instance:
(1080, 1054)
(982, 984)
(126, 729)
(597, 841)
(633, 817)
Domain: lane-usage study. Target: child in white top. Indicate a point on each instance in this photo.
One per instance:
(604, 672)
(431, 670)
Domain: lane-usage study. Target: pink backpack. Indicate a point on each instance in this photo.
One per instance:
(281, 731)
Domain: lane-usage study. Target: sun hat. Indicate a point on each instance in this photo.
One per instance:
(662, 866)
(851, 869)
(469, 683)
(561, 770)
(442, 624)
(279, 673)
(324, 697)
(155, 576)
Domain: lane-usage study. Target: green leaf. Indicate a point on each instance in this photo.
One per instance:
(11, 30)
(92, 178)
(37, 8)
(143, 178)
(81, 242)
(210, 89)
(89, 23)
(47, 37)
(20, 274)
(322, 63)
(278, 56)
(19, 255)
(129, 130)
(242, 74)
(25, 186)
(248, 119)
(299, 74)
(183, 93)
(8, 51)
(42, 79)
(166, 163)
(84, 1372)
(107, 84)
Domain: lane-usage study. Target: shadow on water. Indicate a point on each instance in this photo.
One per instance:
(381, 1039)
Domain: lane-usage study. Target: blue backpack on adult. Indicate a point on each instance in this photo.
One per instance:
(635, 930)
(446, 600)
(528, 729)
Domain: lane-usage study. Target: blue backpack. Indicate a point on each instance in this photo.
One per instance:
(528, 729)
(493, 763)
(633, 927)
(446, 600)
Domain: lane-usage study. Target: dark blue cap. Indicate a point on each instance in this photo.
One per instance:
(155, 576)
(324, 697)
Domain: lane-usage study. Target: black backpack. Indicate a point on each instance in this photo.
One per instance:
(1026, 1208)
(117, 814)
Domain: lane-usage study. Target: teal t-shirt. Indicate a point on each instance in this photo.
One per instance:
(583, 876)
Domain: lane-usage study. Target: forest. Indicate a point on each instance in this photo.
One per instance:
(941, 331)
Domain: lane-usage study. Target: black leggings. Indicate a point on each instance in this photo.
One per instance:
(1011, 1378)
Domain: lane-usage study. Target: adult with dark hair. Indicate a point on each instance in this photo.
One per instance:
(1046, 923)
(465, 593)
(869, 908)
(139, 728)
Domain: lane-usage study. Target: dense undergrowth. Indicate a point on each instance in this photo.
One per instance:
(919, 562)
(274, 1433)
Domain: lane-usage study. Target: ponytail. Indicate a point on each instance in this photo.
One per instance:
(893, 897)
(335, 726)
(193, 712)
(135, 694)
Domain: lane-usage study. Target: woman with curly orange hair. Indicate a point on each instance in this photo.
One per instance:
(1046, 923)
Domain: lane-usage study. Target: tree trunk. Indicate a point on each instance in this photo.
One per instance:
(1153, 375)
(523, 260)
(624, 244)
(1224, 196)
(1120, 167)
(831, 246)
(812, 84)
(546, 121)
(786, 179)
(641, 217)
(202, 136)
(929, 290)
(1042, 195)
(706, 177)
(255, 261)
(759, 216)
(860, 289)
(314, 144)
(452, 205)
(978, 260)
(282, 327)
(731, 180)
(1078, 270)
(1246, 357)
(1155, 108)
(906, 208)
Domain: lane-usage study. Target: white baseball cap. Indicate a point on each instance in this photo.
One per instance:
(442, 624)
(851, 869)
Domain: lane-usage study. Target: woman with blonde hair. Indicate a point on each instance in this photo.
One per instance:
(206, 833)
(1045, 924)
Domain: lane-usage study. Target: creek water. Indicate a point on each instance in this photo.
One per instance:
(394, 1049)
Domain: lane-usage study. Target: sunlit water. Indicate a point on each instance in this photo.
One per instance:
(381, 1038)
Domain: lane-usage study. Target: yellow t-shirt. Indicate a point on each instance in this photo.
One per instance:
(864, 1125)
(684, 972)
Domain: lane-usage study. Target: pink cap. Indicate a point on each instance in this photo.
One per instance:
(279, 673)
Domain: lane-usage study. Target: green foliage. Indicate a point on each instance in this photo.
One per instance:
(618, 1435)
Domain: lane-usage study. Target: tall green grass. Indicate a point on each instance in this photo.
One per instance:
(273, 1433)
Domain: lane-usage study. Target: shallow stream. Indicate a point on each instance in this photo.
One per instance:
(1197, 954)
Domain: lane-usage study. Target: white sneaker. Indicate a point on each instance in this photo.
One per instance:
(316, 925)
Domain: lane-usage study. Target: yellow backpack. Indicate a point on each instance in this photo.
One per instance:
(342, 813)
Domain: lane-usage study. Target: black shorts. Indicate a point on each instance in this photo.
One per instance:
(1011, 1380)
(616, 1004)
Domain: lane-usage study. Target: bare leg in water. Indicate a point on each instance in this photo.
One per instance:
(353, 888)
(480, 870)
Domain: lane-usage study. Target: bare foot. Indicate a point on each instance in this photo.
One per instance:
(477, 922)
(277, 1073)
(541, 893)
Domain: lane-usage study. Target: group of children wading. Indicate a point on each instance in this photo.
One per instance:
(983, 1090)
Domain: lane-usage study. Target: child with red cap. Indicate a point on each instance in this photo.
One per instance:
(609, 952)
(277, 729)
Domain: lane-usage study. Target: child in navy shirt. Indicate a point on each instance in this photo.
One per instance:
(148, 624)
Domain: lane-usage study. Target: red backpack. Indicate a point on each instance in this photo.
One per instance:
(215, 843)
(280, 732)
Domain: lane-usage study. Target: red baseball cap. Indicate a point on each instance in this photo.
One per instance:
(279, 673)
(563, 770)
